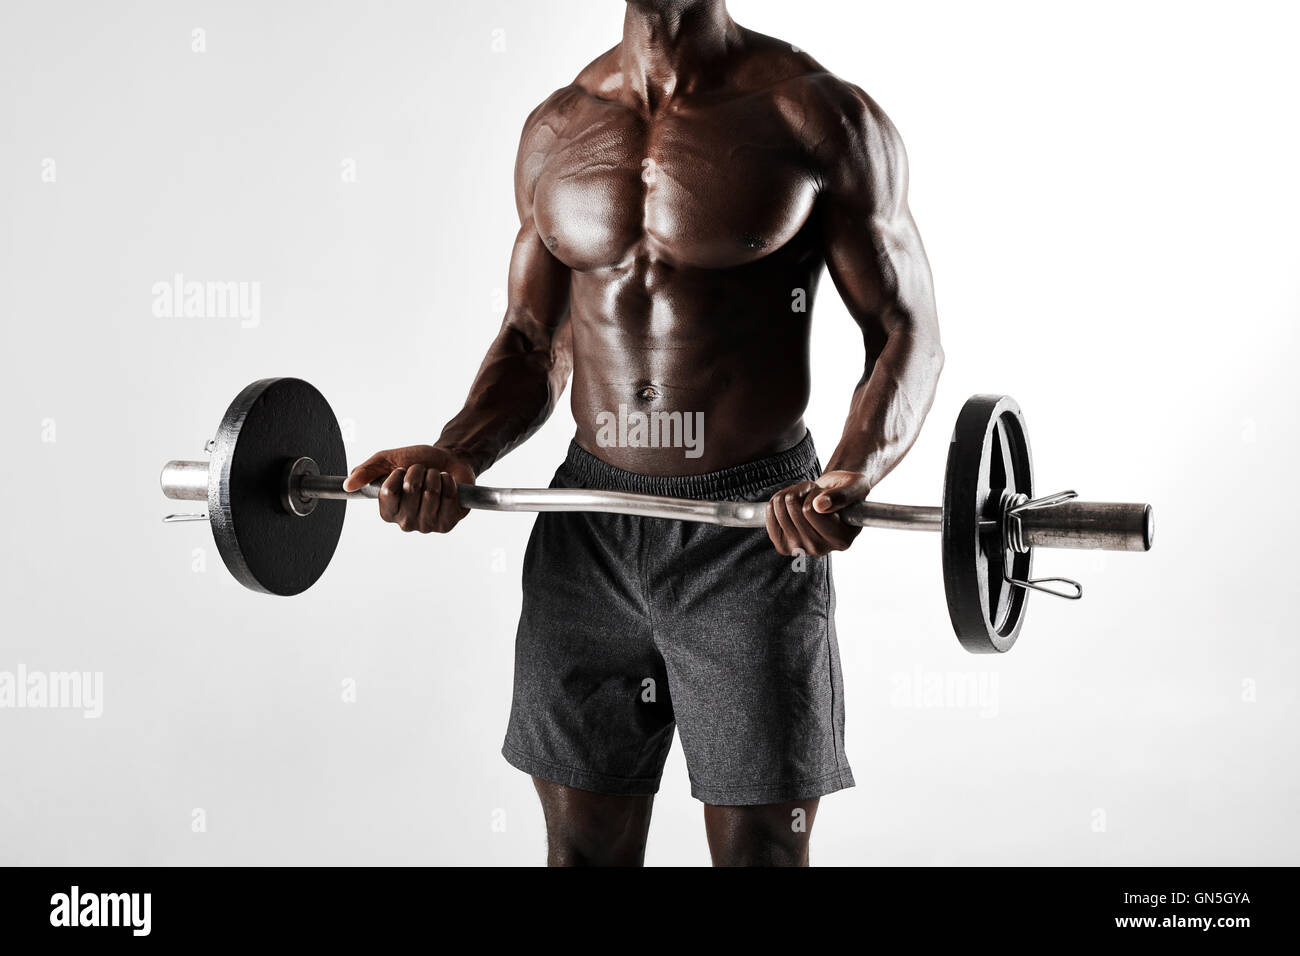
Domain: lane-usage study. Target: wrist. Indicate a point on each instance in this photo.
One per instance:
(463, 454)
(857, 469)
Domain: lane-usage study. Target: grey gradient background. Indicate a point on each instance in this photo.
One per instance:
(1109, 200)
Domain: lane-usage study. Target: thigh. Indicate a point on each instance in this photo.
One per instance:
(772, 834)
(591, 706)
(593, 829)
(748, 639)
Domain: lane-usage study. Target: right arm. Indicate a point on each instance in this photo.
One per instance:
(517, 386)
(526, 368)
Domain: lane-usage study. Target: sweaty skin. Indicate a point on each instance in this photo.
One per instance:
(677, 203)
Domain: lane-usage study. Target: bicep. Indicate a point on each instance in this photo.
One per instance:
(873, 248)
(880, 270)
(538, 285)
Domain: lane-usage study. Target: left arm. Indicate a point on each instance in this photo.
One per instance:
(877, 262)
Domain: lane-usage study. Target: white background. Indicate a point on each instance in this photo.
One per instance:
(1108, 197)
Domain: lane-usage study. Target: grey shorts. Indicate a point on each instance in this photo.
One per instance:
(633, 626)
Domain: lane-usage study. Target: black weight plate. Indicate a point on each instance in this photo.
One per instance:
(989, 454)
(270, 424)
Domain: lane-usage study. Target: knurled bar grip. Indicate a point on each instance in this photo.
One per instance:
(1094, 525)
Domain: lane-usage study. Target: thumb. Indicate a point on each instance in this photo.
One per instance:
(838, 491)
(373, 467)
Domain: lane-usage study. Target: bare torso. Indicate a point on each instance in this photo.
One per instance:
(677, 204)
(691, 237)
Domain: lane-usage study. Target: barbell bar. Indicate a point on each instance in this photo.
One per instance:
(277, 519)
(1095, 525)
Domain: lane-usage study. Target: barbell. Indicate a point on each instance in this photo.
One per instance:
(274, 477)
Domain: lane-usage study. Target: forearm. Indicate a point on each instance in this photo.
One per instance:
(890, 404)
(516, 389)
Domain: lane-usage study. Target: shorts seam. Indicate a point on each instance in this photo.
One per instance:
(647, 529)
(830, 660)
(842, 776)
(509, 751)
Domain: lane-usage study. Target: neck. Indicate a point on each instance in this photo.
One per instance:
(674, 46)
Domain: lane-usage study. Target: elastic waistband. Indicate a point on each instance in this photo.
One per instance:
(738, 481)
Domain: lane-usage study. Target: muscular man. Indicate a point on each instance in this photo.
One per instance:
(677, 203)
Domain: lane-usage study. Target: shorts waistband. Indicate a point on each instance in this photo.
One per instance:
(736, 482)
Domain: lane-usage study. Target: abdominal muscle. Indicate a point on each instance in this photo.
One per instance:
(682, 372)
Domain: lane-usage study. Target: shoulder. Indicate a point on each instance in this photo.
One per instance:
(768, 63)
(547, 122)
(842, 130)
(548, 119)
(852, 145)
(543, 127)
